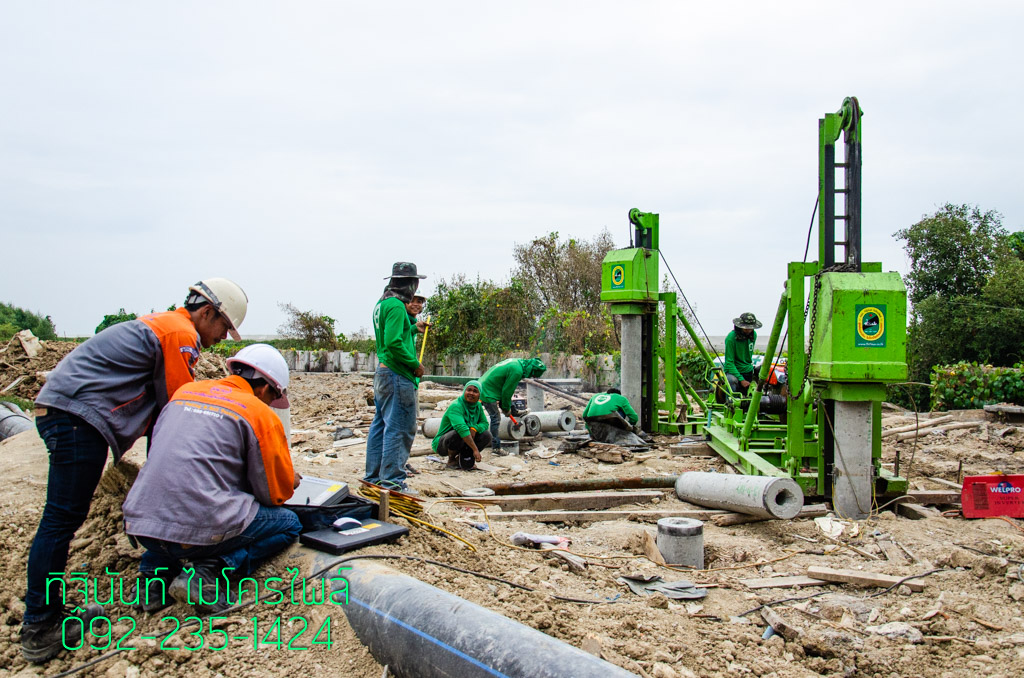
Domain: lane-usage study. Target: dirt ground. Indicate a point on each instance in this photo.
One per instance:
(967, 620)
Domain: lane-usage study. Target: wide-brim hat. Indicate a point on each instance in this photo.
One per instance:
(747, 321)
(404, 269)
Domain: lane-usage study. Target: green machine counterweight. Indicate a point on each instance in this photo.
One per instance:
(845, 320)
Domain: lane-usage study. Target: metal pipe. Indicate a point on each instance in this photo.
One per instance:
(692, 392)
(562, 420)
(762, 496)
(773, 341)
(584, 485)
(419, 631)
(571, 397)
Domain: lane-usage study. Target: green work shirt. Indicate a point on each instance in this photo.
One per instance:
(460, 416)
(499, 383)
(739, 352)
(609, 403)
(396, 340)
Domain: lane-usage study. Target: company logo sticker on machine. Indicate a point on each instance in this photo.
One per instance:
(618, 277)
(870, 325)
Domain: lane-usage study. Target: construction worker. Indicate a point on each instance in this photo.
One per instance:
(497, 386)
(210, 494)
(389, 440)
(463, 429)
(611, 419)
(106, 394)
(739, 352)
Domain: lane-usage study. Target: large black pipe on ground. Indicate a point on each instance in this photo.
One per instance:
(420, 631)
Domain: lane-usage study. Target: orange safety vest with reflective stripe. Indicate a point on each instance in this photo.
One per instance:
(120, 379)
(217, 453)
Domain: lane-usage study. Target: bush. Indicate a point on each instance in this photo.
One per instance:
(478, 317)
(312, 329)
(971, 386)
(575, 332)
(14, 320)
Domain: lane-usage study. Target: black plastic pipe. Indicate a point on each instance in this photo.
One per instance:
(420, 631)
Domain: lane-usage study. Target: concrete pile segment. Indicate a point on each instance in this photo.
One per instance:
(762, 496)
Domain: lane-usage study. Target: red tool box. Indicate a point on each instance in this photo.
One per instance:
(990, 496)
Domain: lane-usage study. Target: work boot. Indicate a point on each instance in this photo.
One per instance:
(206, 590)
(43, 641)
(158, 596)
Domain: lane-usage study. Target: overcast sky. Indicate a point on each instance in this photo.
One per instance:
(300, 148)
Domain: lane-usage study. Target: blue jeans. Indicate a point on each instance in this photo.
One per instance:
(272, 530)
(494, 414)
(394, 426)
(77, 455)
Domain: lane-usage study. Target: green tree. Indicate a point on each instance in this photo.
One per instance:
(478, 317)
(952, 252)
(120, 317)
(562, 282)
(14, 319)
(967, 288)
(313, 329)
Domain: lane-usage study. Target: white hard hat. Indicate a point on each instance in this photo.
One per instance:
(270, 364)
(227, 297)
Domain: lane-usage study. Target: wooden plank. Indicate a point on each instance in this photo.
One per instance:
(918, 426)
(1005, 409)
(780, 625)
(891, 551)
(598, 516)
(948, 483)
(946, 427)
(934, 497)
(916, 511)
(860, 578)
(798, 581)
(923, 497)
(575, 563)
(13, 384)
(809, 511)
(29, 343)
(569, 501)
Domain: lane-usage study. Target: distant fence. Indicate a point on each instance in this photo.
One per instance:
(597, 372)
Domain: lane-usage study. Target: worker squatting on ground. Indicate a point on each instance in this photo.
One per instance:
(611, 419)
(497, 386)
(107, 393)
(390, 437)
(462, 431)
(739, 352)
(210, 494)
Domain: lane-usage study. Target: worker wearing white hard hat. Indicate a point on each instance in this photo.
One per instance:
(210, 495)
(106, 394)
(218, 307)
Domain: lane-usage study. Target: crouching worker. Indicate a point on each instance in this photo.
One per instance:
(611, 419)
(463, 429)
(499, 384)
(209, 497)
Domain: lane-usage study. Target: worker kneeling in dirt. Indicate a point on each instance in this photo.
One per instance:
(739, 352)
(106, 394)
(463, 429)
(611, 419)
(210, 494)
(497, 386)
